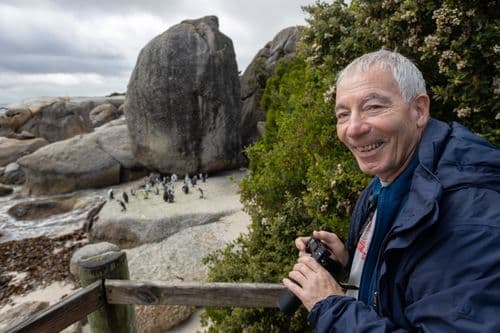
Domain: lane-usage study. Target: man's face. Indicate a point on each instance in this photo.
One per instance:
(376, 124)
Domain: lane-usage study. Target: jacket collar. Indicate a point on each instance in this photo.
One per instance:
(426, 189)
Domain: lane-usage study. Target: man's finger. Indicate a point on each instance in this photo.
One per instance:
(293, 287)
(310, 262)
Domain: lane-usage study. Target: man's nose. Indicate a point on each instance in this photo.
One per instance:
(357, 126)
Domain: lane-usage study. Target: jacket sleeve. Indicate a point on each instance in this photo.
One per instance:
(346, 314)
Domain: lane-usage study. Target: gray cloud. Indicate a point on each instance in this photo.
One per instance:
(58, 47)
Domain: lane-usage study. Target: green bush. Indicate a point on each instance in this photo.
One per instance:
(301, 177)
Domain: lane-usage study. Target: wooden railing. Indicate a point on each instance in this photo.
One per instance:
(106, 296)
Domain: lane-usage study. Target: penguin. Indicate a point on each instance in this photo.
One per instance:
(201, 193)
(193, 181)
(185, 188)
(173, 178)
(205, 176)
(125, 197)
(111, 194)
(157, 191)
(200, 176)
(132, 191)
(124, 208)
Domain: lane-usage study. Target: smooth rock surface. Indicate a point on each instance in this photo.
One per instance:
(183, 104)
(95, 160)
(12, 149)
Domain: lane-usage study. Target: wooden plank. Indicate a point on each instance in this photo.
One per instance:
(64, 313)
(193, 293)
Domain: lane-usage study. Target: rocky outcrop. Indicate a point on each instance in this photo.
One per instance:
(40, 209)
(52, 118)
(12, 149)
(179, 258)
(12, 175)
(254, 79)
(104, 113)
(98, 159)
(183, 105)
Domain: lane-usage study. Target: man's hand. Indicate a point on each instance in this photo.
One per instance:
(339, 252)
(314, 282)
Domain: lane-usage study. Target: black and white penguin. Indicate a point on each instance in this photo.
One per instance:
(111, 194)
(124, 208)
(185, 188)
(193, 180)
(201, 193)
(125, 197)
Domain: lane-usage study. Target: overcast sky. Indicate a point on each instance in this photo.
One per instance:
(89, 47)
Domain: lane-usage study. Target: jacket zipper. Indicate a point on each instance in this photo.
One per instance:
(376, 293)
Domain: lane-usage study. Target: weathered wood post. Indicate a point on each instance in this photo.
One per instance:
(98, 262)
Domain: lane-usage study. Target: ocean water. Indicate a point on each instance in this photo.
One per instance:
(13, 229)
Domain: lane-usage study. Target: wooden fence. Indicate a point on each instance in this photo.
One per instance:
(108, 295)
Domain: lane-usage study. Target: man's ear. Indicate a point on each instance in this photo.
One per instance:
(421, 103)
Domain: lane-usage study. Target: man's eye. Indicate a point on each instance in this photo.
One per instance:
(342, 116)
(374, 107)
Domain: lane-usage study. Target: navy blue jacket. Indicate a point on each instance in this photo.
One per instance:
(439, 269)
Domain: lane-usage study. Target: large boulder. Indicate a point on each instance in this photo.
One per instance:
(253, 80)
(98, 159)
(12, 149)
(52, 118)
(183, 100)
(104, 113)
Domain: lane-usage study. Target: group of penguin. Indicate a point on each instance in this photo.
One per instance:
(151, 182)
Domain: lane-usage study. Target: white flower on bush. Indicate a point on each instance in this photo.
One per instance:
(328, 95)
(496, 85)
(463, 112)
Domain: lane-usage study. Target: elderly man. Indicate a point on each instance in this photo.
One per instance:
(424, 239)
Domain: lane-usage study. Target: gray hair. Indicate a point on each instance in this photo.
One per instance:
(408, 77)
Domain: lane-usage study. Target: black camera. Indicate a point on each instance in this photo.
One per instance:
(288, 303)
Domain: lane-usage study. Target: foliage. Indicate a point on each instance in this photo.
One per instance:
(301, 178)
